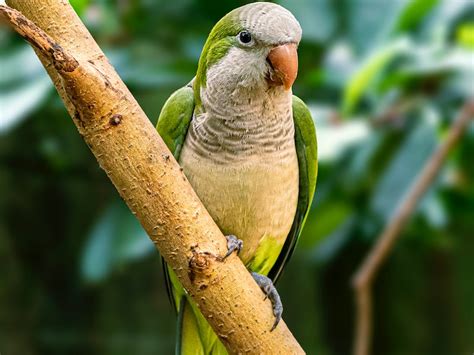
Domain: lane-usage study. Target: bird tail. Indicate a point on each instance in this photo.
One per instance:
(195, 335)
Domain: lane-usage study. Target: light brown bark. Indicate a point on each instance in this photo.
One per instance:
(148, 178)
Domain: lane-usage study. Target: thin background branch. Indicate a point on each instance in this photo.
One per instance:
(366, 274)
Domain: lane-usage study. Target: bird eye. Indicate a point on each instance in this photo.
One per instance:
(245, 37)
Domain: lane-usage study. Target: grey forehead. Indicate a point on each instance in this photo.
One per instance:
(270, 23)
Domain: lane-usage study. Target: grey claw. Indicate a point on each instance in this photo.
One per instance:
(233, 243)
(272, 294)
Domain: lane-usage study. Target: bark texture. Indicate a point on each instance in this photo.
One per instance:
(148, 178)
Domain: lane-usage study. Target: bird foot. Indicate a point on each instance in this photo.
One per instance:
(233, 244)
(271, 293)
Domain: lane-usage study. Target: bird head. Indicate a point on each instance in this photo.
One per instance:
(252, 46)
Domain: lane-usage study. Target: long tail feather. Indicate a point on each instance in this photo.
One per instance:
(189, 340)
(195, 335)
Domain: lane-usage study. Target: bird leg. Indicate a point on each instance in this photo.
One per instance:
(271, 293)
(233, 243)
(265, 283)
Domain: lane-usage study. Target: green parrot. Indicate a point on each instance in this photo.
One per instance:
(248, 147)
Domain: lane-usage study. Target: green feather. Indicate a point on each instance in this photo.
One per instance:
(174, 119)
(220, 40)
(194, 334)
(307, 151)
(189, 341)
(265, 255)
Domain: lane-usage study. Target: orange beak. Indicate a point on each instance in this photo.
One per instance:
(284, 61)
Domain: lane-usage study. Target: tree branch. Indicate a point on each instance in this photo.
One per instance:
(365, 275)
(148, 178)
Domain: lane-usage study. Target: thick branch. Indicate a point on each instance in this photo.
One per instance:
(148, 178)
(365, 276)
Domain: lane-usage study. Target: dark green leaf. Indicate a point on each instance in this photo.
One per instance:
(116, 239)
(402, 171)
(413, 13)
(365, 75)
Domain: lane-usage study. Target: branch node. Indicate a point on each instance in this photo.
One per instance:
(201, 267)
(62, 61)
(116, 119)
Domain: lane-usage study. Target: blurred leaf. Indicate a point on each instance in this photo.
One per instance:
(346, 134)
(148, 66)
(429, 67)
(20, 57)
(405, 166)
(116, 239)
(432, 209)
(454, 15)
(465, 35)
(370, 22)
(103, 17)
(331, 245)
(357, 169)
(365, 75)
(21, 91)
(316, 17)
(339, 63)
(16, 104)
(413, 13)
(80, 6)
(323, 221)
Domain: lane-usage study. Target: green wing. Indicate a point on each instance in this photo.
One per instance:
(172, 126)
(195, 335)
(175, 117)
(307, 151)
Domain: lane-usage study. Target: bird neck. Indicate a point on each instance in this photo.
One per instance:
(235, 123)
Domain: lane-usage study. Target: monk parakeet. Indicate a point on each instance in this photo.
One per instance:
(248, 148)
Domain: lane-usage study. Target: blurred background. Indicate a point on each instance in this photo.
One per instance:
(384, 79)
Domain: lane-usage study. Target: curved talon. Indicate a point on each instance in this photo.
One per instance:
(271, 293)
(277, 312)
(233, 243)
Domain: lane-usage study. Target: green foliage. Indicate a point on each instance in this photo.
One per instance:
(115, 239)
(317, 18)
(465, 35)
(367, 72)
(404, 166)
(414, 14)
(383, 80)
(80, 6)
(21, 91)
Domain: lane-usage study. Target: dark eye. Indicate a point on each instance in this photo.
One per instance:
(245, 37)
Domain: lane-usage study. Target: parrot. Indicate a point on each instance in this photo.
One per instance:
(248, 148)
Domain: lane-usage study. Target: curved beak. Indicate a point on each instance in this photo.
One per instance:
(284, 61)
